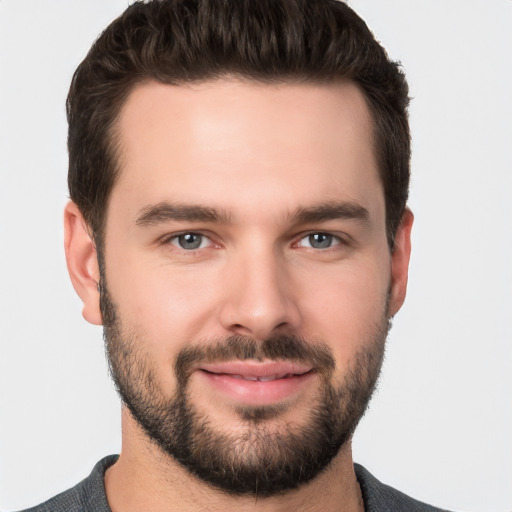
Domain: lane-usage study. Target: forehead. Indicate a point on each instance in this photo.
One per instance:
(230, 143)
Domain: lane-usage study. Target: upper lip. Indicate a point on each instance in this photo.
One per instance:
(254, 370)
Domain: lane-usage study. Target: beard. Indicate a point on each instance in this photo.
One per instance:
(268, 456)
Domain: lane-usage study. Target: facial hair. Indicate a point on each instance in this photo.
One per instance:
(263, 460)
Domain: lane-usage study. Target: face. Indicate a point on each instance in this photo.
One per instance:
(247, 280)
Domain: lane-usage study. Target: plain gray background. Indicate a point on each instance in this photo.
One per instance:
(439, 426)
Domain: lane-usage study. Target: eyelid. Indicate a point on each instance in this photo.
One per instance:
(170, 237)
(339, 238)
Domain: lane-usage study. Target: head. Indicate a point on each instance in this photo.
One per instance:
(239, 173)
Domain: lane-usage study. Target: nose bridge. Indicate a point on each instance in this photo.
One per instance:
(259, 297)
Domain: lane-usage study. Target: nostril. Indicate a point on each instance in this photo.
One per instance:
(241, 330)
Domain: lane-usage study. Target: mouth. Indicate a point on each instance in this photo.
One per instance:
(261, 378)
(255, 383)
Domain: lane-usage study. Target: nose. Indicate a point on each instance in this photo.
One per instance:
(260, 299)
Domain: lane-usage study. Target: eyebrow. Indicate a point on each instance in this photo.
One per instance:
(164, 212)
(332, 211)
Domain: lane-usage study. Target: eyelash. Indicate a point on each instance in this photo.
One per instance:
(335, 240)
(176, 236)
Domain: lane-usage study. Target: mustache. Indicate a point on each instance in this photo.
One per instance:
(283, 347)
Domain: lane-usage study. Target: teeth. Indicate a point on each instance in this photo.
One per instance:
(267, 378)
(242, 377)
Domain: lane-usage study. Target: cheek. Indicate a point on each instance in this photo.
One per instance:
(170, 306)
(346, 308)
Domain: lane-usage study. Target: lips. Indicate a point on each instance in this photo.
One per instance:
(256, 383)
(254, 370)
(260, 378)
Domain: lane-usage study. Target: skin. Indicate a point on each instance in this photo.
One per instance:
(257, 154)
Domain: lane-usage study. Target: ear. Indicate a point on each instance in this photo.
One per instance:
(82, 262)
(400, 262)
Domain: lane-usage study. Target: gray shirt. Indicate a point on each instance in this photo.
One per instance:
(89, 495)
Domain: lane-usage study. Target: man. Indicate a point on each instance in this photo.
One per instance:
(238, 224)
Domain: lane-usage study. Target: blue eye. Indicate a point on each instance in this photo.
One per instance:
(190, 241)
(319, 241)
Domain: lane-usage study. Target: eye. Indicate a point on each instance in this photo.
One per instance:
(190, 241)
(319, 241)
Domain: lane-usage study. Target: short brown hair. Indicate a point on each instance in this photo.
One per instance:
(269, 41)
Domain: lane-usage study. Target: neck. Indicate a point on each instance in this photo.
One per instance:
(144, 478)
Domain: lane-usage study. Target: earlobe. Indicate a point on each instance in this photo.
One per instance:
(82, 262)
(400, 262)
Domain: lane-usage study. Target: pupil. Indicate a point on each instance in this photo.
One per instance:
(320, 240)
(190, 241)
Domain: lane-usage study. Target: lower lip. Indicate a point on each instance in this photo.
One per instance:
(256, 393)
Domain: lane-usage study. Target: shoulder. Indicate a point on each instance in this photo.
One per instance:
(379, 497)
(87, 496)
